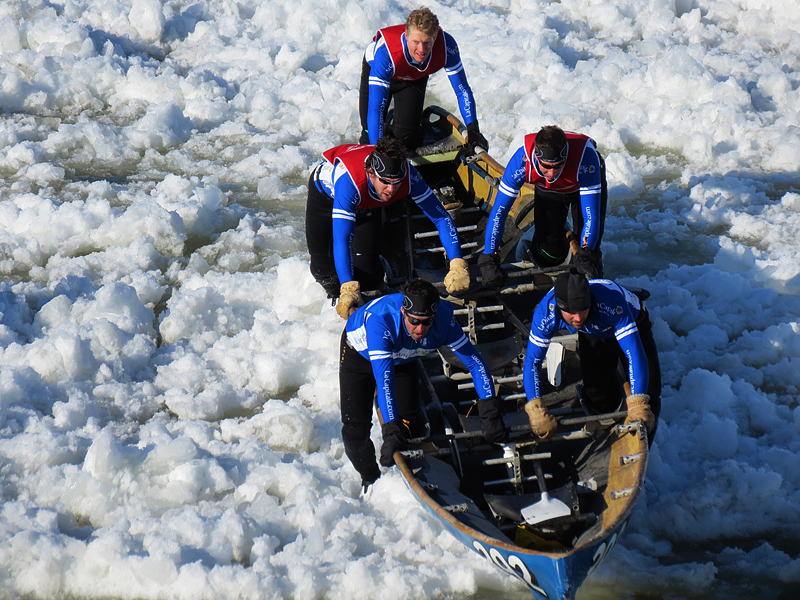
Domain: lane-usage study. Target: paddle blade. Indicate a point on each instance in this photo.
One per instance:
(545, 510)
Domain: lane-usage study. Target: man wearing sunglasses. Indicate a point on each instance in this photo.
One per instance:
(344, 218)
(569, 175)
(397, 65)
(380, 345)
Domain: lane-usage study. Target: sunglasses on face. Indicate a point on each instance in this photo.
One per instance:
(552, 166)
(415, 322)
(389, 181)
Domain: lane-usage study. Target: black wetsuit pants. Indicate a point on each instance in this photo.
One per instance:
(365, 245)
(357, 393)
(409, 100)
(549, 246)
(601, 357)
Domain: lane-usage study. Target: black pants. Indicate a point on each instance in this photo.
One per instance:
(365, 245)
(357, 392)
(409, 100)
(550, 246)
(601, 357)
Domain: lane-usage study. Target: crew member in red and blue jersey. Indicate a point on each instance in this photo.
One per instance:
(347, 192)
(380, 347)
(613, 326)
(397, 64)
(569, 175)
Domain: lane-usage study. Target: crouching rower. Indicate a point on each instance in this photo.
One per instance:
(613, 325)
(347, 193)
(379, 347)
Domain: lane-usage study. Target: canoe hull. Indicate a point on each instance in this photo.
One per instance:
(548, 575)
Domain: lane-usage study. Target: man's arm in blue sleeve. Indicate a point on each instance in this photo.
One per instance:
(589, 177)
(344, 226)
(382, 362)
(538, 342)
(458, 79)
(469, 356)
(424, 197)
(510, 184)
(631, 344)
(532, 369)
(380, 77)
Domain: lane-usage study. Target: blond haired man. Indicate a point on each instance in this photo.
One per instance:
(397, 64)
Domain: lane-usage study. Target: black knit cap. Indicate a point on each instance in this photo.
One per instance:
(551, 155)
(420, 306)
(393, 169)
(572, 292)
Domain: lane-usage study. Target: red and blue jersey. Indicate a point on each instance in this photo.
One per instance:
(343, 177)
(581, 174)
(388, 58)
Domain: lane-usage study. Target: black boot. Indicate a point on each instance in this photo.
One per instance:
(362, 457)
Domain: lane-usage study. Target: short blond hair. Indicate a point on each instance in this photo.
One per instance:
(422, 19)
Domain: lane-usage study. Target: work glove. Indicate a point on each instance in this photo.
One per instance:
(639, 410)
(543, 423)
(349, 299)
(492, 274)
(474, 138)
(395, 438)
(587, 263)
(491, 413)
(457, 279)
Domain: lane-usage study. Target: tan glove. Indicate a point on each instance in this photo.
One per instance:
(457, 279)
(639, 410)
(543, 423)
(349, 299)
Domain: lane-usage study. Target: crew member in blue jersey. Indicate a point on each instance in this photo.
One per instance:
(380, 345)
(344, 218)
(396, 65)
(613, 325)
(568, 174)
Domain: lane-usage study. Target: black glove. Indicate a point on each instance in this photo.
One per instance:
(586, 261)
(395, 435)
(491, 413)
(474, 138)
(491, 272)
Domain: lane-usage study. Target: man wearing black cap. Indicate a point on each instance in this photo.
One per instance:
(344, 218)
(380, 345)
(613, 325)
(569, 175)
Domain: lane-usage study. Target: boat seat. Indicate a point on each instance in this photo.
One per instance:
(510, 506)
(442, 151)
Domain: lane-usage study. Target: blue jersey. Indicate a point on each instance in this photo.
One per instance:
(336, 182)
(581, 173)
(377, 331)
(614, 315)
(382, 70)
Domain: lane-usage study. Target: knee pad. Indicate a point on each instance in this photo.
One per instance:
(549, 254)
